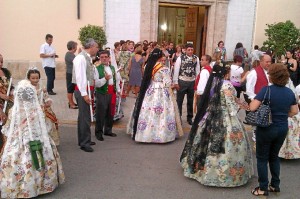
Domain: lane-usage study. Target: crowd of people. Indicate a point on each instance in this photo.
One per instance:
(217, 151)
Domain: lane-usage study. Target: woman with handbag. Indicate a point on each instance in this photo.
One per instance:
(270, 139)
(217, 151)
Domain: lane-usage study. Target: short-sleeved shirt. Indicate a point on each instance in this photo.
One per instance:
(298, 90)
(236, 75)
(69, 57)
(47, 50)
(280, 106)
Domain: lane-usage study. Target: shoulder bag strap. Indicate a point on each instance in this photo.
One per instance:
(268, 89)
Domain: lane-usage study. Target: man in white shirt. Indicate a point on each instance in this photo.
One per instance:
(83, 72)
(254, 82)
(186, 68)
(47, 53)
(204, 74)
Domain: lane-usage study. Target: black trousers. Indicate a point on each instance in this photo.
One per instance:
(247, 100)
(50, 73)
(84, 121)
(104, 119)
(239, 89)
(70, 85)
(186, 88)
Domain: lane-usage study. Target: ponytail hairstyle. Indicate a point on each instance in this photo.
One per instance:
(154, 56)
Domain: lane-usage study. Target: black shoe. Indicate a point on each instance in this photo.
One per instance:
(190, 122)
(93, 143)
(110, 134)
(72, 107)
(51, 93)
(99, 137)
(273, 189)
(245, 122)
(87, 149)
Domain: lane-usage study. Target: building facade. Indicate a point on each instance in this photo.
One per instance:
(24, 25)
(204, 23)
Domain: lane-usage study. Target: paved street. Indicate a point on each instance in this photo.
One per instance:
(122, 169)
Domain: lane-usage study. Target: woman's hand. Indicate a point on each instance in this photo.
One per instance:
(254, 105)
(48, 103)
(293, 110)
(4, 97)
(3, 117)
(176, 86)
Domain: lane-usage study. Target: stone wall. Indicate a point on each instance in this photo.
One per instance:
(19, 69)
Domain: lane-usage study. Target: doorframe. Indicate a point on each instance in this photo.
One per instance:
(216, 29)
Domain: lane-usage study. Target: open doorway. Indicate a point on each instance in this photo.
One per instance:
(183, 24)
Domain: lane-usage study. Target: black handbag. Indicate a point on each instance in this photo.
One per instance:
(262, 117)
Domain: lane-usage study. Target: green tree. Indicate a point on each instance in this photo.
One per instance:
(92, 31)
(282, 36)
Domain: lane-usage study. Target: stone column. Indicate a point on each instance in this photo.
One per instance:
(149, 20)
(221, 22)
(217, 21)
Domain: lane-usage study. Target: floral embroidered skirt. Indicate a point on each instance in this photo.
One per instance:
(156, 123)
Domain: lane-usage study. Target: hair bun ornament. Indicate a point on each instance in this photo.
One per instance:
(32, 68)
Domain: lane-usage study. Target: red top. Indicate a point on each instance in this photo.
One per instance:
(198, 76)
(261, 81)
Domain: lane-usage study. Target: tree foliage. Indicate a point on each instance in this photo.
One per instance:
(92, 31)
(282, 36)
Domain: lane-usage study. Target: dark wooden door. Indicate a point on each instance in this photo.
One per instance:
(191, 22)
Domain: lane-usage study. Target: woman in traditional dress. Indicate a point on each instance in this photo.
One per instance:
(291, 146)
(30, 165)
(155, 116)
(33, 75)
(124, 57)
(5, 76)
(217, 151)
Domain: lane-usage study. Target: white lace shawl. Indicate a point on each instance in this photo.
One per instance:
(27, 119)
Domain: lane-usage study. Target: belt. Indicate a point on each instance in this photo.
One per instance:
(77, 89)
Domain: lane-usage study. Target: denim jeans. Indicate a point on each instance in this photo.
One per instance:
(268, 143)
(50, 73)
